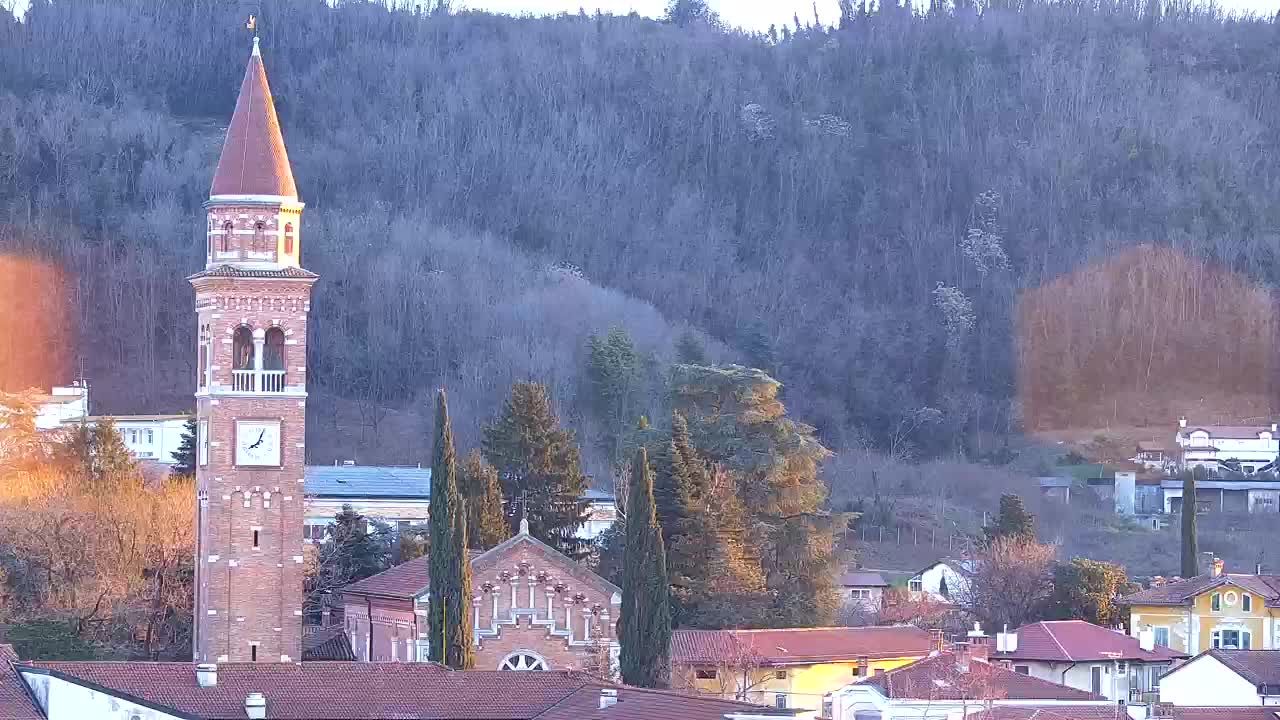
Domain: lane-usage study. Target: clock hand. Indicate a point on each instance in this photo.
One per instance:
(261, 433)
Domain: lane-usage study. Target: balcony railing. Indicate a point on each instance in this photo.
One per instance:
(266, 381)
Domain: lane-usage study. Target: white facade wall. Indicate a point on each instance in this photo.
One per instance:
(67, 404)
(855, 702)
(931, 583)
(62, 700)
(155, 439)
(1205, 681)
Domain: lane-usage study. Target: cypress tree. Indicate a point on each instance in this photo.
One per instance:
(184, 458)
(1190, 561)
(450, 641)
(645, 621)
(486, 522)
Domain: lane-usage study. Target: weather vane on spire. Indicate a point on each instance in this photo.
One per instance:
(252, 26)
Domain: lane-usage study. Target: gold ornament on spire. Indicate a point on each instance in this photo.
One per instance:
(252, 24)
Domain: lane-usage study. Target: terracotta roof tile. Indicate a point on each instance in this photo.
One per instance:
(330, 691)
(253, 160)
(1181, 592)
(939, 678)
(1051, 712)
(1078, 641)
(1260, 667)
(15, 701)
(794, 646)
(329, 643)
(643, 704)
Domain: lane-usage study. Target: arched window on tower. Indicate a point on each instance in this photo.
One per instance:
(288, 239)
(259, 237)
(273, 361)
(228, 231)
(242, 369)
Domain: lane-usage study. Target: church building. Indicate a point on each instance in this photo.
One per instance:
(252, 300)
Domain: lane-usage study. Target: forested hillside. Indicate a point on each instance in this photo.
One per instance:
(855, 209)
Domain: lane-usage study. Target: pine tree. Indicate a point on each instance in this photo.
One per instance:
(184, 458)
(737, 424)
(538, 465)
(613, 372)
(645, 620)
(450, 640)
(487, 523)
(1012, 521)
(689, 349)
(1190, 554)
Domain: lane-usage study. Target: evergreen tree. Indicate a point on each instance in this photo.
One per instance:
(538, 466)
(450, 639)
(184, 458)
(645, 620)
(99, 454)
(1190, 553)
(1013, 521)
(737, 423)
(613, 372)
(356, 552)
(487, 523)
(943, 590)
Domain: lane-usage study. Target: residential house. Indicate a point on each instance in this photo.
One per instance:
(955, 684)
(1219, 449)
(862, 590)
(792, 667)
(1057, 489)
(1153, 455)
(150, 438)
(1218, 610)
(602, 513)
(534, 609)
(1088, 657)
(943, 581)
(334, 691)
(1225, 677)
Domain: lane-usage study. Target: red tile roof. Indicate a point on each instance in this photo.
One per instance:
(798, 646)
(1079, 641)
(940, 678)
(329, 643)
(406, 580)
(328, 691)
(15, 701)
(253, 160)
(643, 704)
(1182, 592)
(1051, 712)
(1260, 667)
(231, 271)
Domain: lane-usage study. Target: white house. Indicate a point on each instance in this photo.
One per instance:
(954, 685)
(1088, 657)
(943, 581)
(62, 404)
(1228, 448)
(1234, 678)
(149, 437)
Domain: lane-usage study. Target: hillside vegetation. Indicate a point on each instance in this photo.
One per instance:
(858, 210)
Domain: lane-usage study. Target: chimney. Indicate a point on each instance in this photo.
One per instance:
(1147, 640)
(1182, 421)
(1217, 567)
(255, 706)
(206, 674)
(1257, 569)
(1006, 642)
(608, 697)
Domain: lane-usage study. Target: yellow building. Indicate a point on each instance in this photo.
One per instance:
(793, 667)
(1217, 610)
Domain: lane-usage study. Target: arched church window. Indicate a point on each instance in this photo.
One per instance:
(224, 243)
(523, 660)
(288, 239)
(273, 353)
(259, 237)
(242, 349)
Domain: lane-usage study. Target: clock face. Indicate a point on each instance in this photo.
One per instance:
(258, 443)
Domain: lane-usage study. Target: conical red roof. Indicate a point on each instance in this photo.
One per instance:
(254, 161)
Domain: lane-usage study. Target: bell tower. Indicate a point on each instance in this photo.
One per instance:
(252, 300)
